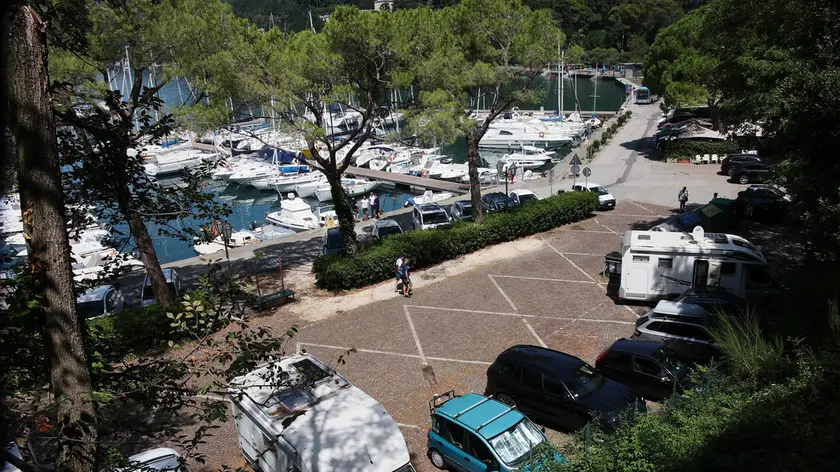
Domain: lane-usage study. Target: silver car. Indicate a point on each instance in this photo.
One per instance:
(689, 339)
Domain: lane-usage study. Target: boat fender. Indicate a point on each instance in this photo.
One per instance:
(542, 135)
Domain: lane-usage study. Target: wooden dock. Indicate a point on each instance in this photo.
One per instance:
(416, 183)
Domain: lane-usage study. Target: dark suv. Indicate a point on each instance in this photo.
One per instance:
(651, 369)
(557, 389)
(750, 172)
(496, 201)
(734, 160)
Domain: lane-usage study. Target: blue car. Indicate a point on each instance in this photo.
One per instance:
(474, 433)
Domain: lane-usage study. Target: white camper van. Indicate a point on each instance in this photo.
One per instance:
(314, 421)
(655, 265)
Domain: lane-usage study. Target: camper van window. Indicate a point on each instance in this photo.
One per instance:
(665, 263)
(727, 268)
(641, 258)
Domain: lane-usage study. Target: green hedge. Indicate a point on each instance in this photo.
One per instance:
(375, 263)
(683, 149)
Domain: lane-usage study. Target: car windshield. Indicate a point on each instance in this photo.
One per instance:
(514, 445)
(466, 210)
(672, 362)
(91, 308)
(527, 197)
(586, 380)
(388, 230)
(599, 190)
(434, 218)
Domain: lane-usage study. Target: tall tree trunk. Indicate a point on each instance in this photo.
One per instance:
(42, 201)
(475, 184)
(714, 115)
(148, 256)
(344, 211)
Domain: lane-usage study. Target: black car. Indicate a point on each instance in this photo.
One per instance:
(734, 160)
(750, 172)
(651, 369)
(763, 203)
(496, 201)
(461, 210)
(557, 389)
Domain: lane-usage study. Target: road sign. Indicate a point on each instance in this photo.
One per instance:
(575, 161)
(587, 171)
(575, 170)
(551, 176)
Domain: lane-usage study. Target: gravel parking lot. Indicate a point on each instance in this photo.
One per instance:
(445, 336)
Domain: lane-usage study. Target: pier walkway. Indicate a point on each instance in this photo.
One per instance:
(418, 183)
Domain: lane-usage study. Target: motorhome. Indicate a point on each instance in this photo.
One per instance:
(656, 265)
(298, 415)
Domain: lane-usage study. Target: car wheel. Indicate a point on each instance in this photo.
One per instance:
(437, 459)
(506, 399)
(744, 179)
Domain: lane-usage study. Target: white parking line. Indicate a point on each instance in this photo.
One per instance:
(416, 338)
(412, 426)
(625, 215)
(605, 226)
(213, 398)
(499, 288)
(583, 231)
(540, 278)
(397, 354)
(520, 315)
(643, 208)
(570, 261)
(582, 254)
(531, 329)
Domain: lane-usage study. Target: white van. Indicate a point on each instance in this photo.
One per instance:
(606, 200)
(656, 265)
(298, 415)
(429, 216)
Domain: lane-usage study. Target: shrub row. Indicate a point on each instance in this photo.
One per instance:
(607, 134)
(683, 149)
(375, 263)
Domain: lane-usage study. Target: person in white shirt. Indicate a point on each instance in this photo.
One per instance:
(366, 206)
(397, 271)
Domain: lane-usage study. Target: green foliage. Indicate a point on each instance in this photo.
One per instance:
(688, 149)
(750, 354)
(426, 248)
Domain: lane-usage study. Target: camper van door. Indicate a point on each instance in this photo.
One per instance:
(700, 280)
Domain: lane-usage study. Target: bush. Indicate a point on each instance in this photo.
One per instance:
(749, 352)
(684, 149)
(375, 263)
(129, 331)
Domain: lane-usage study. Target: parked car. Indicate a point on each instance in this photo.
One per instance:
(605, 199)
(384, 228)
(713, 300)
(461, 210)
(473, 433)
(688, 339)
(496, 201)
(556, 389)
(750, 172)
(428, 216)
(734, 160)
(332, 244)
(173, 283)
(521, 196)
(763, 203)
(100, 301)
(651, 369)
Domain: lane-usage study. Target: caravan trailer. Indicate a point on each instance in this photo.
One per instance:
(298, 415)
(655, 265)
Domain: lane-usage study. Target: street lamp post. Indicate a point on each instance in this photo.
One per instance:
(226, 231)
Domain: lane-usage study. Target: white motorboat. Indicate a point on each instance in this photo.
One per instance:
(326, 216)
(485, 176)
(453, 172)
(306, 190)
(294, 214)
(174, 161)
(237, 239)
(515, 137)
(529, 157)
(428, 197)
(253, 170)
(352, 188)
(269, 231)
(281, 182)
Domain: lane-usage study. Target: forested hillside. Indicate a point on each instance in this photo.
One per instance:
(611, 31)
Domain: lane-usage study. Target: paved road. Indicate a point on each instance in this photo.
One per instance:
(446, 335)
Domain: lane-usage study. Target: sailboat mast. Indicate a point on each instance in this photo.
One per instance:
(560, 77)
(595, 96)
(311, 25)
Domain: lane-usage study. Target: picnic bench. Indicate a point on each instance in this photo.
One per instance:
(282, 296)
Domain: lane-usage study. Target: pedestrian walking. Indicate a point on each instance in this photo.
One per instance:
(397, 273)
(357, 205)
(366, 207)
(683, 198)
(374, 206)
(405, 276)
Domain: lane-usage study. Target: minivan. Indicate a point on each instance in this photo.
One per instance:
(428, 216)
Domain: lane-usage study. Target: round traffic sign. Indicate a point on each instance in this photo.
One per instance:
(575, 170)
(587, 171)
